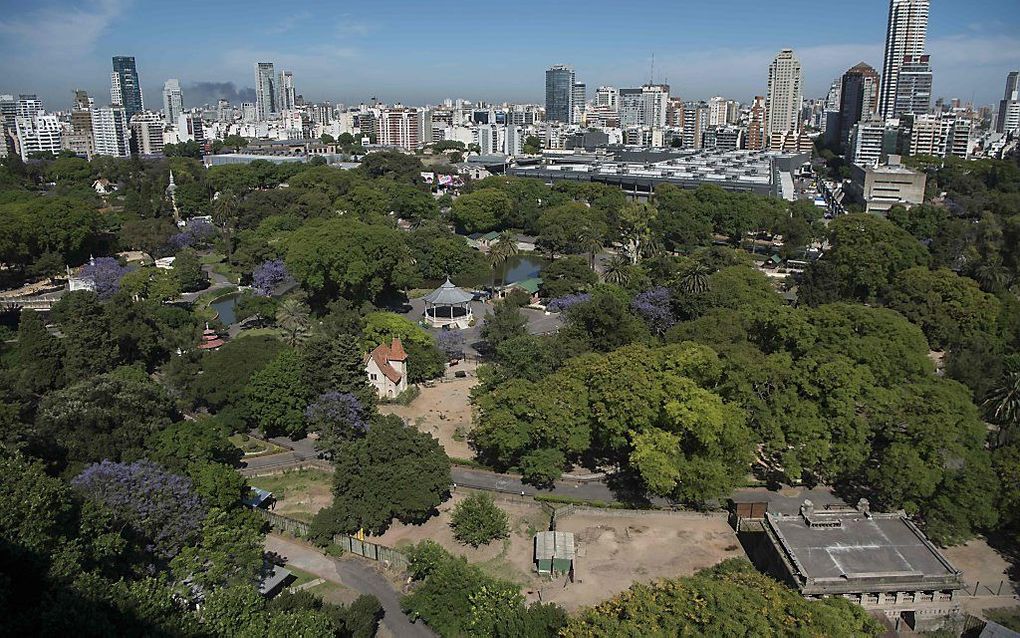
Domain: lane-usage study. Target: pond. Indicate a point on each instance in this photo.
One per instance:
(520, 267)
(224, 307)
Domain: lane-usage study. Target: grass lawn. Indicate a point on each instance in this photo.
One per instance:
(328, 591)
(1008, 617)
(259, 332)
(299, 494)
(254, 447)
(212, 258)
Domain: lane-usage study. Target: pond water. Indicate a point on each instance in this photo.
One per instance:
(520, 267)
(224, 307)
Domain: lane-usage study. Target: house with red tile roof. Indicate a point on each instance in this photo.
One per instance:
(386, 367)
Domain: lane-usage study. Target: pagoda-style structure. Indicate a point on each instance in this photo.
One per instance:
(210, 339)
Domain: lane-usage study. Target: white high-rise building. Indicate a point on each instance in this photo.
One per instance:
(288, 96)
(398, 126)
(173, 100)
(28, 106)
(718, 111)
(784, 95)
(147, 133)
(116, 93)
(605, 97)
(578, 102)
(38, 134)
(906, 37)
(265, 91)
(656, 99)
(110, 131)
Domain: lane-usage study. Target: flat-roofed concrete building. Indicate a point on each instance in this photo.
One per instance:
(887, 185)
(882, 562)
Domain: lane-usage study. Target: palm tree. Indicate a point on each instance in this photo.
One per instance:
(617, 270)
(694, 280)
(293, 319)
(1003, 404)
(502, 250)
(225, 215)
(591, 243)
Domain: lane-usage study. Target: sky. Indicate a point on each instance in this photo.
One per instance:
(421, 52)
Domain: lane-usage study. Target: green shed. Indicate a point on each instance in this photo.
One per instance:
(554, 552)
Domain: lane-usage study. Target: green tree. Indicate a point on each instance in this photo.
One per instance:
(731, 598)
(203, 440)
(277, 396)
(88, 346)
(393, 472)
(503, 323)
(567, 276)
(542, 467)
(188, 270)
(950, 309)
(482, 210)
(382, 327)
(478, 521)
(37, 356)
(109, 416)
(866, 254)
(293, 319)
(562, 228)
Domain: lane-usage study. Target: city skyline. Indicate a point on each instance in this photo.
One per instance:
(339, 57)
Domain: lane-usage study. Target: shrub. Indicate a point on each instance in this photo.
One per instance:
(478, 521)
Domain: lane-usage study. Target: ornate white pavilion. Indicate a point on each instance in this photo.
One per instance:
(448, 306)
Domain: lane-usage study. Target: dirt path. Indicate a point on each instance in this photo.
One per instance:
(356, 574)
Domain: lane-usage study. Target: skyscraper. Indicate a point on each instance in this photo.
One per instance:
(578, 102)
(125, 89)
(559, 93)
(173, 100)
(110, 131)
(784, 95)
(265, 91)
(288, 97)
(1008, 117)
(913, 87)
(858, 98)
(906, 35)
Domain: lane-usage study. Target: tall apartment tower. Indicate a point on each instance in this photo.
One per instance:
(125, 89)
(1008, 117)
(858, 98)
(110, 131)
(578, 102)
(906, 36)
(755, 140)
(784, 95)
(559, 93)
(173, 100)
(913, 86)
(265, 91)
(288, 96)
(605, 97)
(655, 99)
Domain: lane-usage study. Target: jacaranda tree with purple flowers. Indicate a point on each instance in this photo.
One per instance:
(197, 232)
(268, 275)
(106, 273)
(160, 507)
(338, 417)
(565, 303)
(655, 306)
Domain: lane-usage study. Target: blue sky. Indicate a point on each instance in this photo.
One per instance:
(422, 51)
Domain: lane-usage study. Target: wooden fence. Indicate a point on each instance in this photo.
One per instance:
(373, 551)
(609, 512)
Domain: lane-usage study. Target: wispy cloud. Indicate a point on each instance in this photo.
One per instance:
(352, 27)
(63, 31)
(288, 23)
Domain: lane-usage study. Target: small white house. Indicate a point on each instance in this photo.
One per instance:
(103, 186)
(386, 367)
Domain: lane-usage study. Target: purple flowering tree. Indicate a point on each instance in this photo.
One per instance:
(566, 302)
(106, 272)
(196, 232)
(656, 308)
(338, 417)
(451, 344)
(158, 506)
(267, 276)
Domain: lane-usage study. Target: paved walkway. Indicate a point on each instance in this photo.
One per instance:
(357, 574)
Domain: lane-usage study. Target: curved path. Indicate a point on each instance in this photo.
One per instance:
(358, 575)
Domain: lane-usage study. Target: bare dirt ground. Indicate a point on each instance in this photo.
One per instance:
(299, 493)
(510, 559)
(444, 411)
(979, 563)
(613, 552)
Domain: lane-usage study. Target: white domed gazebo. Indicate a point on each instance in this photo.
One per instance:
(448, 305)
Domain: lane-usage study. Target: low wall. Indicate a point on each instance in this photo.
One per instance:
(366, 549)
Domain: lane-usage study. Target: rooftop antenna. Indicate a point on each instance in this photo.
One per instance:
(651, 72)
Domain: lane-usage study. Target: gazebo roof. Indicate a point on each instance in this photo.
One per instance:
(448, 294)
